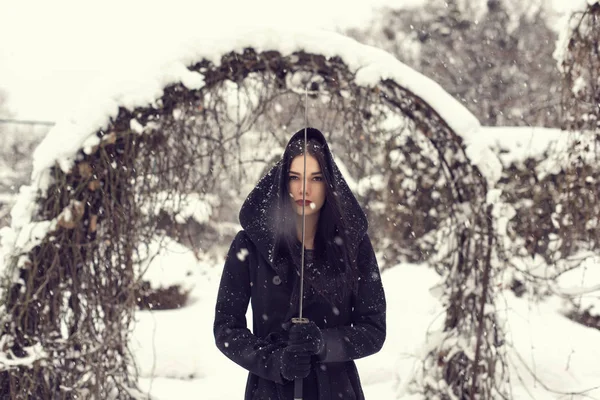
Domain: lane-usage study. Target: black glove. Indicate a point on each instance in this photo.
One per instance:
(295, 362)
(308, 337)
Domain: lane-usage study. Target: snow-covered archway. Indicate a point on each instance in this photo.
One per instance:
(198, 122)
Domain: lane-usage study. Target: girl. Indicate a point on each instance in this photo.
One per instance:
(343, 297)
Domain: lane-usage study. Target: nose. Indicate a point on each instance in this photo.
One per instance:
(306, 189)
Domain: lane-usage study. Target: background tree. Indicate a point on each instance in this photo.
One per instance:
(17, 144)
(494, 56)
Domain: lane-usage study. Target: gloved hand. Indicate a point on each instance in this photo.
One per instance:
(295, 362)
(307, 336)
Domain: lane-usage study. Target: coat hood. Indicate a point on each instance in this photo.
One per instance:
(264, 205)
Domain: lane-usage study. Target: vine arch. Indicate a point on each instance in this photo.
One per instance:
(68, 298)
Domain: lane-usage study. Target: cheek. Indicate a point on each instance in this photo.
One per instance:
(322, 195)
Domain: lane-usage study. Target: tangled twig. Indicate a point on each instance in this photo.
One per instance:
(75, 295)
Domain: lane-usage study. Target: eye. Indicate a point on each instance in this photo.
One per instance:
(292, 177)
(318, 178)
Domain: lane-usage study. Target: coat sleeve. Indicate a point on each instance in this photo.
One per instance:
(366, 332)
(259, 356)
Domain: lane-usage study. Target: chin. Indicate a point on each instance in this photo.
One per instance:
(309, 211)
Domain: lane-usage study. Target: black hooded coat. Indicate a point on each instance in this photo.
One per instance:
(353, 328)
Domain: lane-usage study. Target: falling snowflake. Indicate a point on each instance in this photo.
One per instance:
(242, 254)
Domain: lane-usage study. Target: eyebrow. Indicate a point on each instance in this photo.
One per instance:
(297, 173)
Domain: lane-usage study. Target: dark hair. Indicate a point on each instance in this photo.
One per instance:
(332, 250)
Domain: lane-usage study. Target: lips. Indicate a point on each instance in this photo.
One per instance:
(300, 202)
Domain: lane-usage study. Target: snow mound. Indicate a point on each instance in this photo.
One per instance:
(167, 263)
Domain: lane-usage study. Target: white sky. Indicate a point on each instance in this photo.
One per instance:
(50, 50)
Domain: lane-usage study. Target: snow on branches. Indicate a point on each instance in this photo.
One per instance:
(213, 132)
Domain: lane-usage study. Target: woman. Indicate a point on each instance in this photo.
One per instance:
(343, 296)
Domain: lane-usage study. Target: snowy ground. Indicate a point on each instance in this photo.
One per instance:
(178, 359)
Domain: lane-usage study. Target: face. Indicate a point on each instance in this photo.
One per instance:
(315, 185)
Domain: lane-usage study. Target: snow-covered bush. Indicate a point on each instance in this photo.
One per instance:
(552, 202)
(208, 123)
(164, 286)
(579, 61)
(555, 191)
(410, 199)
